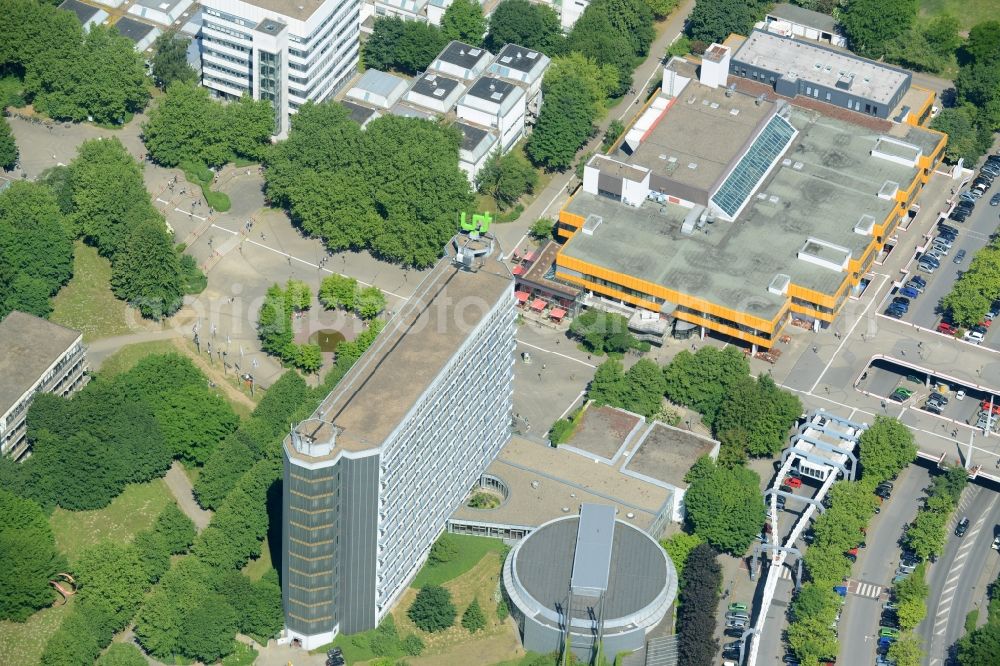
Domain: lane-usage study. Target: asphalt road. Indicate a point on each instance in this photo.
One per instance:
(954, 578)
(973, 235)
(877, 564)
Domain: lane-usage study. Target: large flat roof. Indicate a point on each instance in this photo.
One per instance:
(700, 135)
(803, 16)
(30, 346)
(543, 480)
(809, 61)
(592, 556)
(826, 182)
(602, 430)
(666, 454)
(296, 9)
(132, 29)
(386, 382)
(463, 55)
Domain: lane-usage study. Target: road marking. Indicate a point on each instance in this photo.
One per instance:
(190, 214)
(228, 231)
(938, 633)
(950, 589)
(161, 200)
(549, 351)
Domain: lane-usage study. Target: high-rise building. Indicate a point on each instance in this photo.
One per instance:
(285, 51)
(38, 357)
(373, 475)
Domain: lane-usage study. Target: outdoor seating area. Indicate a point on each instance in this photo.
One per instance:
(537, 292)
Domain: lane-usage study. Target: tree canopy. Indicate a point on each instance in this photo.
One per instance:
(603, 332)
(699, 598)
(871, 25)
(968, 136)
(30, 558)
(616, 33)
(394, 189)
(432, 610)
(971, 295)
(146, 272)
(405, 46)
(169, 62)
(714, 20)
(886, 449)
(526, 24)
(8, 147)
(565, 123)
(758, 413)
(724, 506)
(506, 178)
(701, 380)
(464, 21)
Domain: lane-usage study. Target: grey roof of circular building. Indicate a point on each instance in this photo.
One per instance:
(544, 566)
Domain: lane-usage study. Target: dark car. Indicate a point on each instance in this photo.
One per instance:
(939, 397)
(959, 257)
(884, 493)
(933, 408)
(734, 632)
(919, 280)
(901, 300)
(995, 199)
(895, 313)
(962, 527)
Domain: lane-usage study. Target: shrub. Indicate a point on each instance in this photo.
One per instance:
(561, 431)
(432, 610)
(412, 645)
(473, 618)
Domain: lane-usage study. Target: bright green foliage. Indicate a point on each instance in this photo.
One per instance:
(29, 555)
(412, 645)
(644, 384)
(406, 46)
(911, 594)
(208, 628)
(815, 601)
(761, 411)
(370, 303)
(8, 147)
(678, 547)
(871, 25)
(970, 297)
(111, 575)
(159, 621)
(147, 271)
(565, 122)
(926, 47)
(274, 326)
(714, 20)
(542, 229)
(941, 33)
(703, 379)
(36, 255)
(608, 387)
(886, 449)
(725, 507)
(58, 178)
(394, 189)
(615, 130)
(473, 618)
(561, 431)
(188, 126)
(299, 295)
(926, 535)
(170, 60)
(600, 81)
(525, 24)
(603, 332)
(968, 137)
(463, 20)
(981, 646)
(812, 639)
(444, 550)
(432, 609)
(70, 74)
(308, 357)
(338, 291)
(906, 651)
(616, 33)
(122, 654)
(661, 8)
(506, 178)
(193, 421)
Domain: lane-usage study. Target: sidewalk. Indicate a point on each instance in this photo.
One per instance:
(180, 487)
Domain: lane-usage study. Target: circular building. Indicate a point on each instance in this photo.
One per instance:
(586, 580)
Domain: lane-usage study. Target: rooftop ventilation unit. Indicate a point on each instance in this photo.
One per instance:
(714, 105)
(761, 196)
(439, 92)
(730, 89)
(692, 165)
(798, 166)
(734, 112)
(773, 199)
(505, 60)
(496, 97)
(533, 55)
(475, 52)
(591, 223)
(786, 162)
(431, 77)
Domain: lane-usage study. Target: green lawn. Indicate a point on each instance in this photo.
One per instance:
(86, 303)
(471, 549)
(255, 569)
(129, 513)
(968, 12)
(22, 643)
(125, 358)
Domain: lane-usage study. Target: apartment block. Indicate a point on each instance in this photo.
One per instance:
(285, 51)
(498, 105)
(39, 357)
(372, 476)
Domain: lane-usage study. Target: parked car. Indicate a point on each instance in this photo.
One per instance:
(975, 335)
(946, 328)
(995, 199)
(739, 615)
(901, 300)
(939, 397)
(933, 408)
(894, 312)
(943, 227)
(901, 394)
(959, 257)
(909, 292)
(793, 481)
(996, 543)
(962, 527)
(735, 632)
(915, 286)
(738, 607)
(943, 239)
(919, 280)
(736, 624)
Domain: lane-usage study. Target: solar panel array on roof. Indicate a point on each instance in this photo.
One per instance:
(751, 168)
(592, 559)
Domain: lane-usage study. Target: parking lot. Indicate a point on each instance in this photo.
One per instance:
(973, 235)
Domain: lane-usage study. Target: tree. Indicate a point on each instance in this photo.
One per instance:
(111, 575)
(406, 46)
(871, 24)
(661, 8)
(886, 448)
(122, 654)
(603, 332)
(600, 81)
(370, 303)
(432, 609)
(978, 83)
(911, 596)
(699, 598)
(30, 558)
(679, 547)
(170, 60)
(274, 326)
(983, 45)
(925, 536)
(714, 20)
(725, 507)
(506, 178)
(542, 229)
(701, 380)
(816, 601)
(463, 20)
(473, 619)
(968, 137)
(812, 639)
(981, 646)
(614, 33)
(338, 291)
(645, 385)
(525, 24)
(193, 421)
(761, 410)
(906, 651)
(412, 645)
(445, 549)
(941, 33)
(146, 273)
(608, 387)
(8, 147)
(565, 122)
(208, 628)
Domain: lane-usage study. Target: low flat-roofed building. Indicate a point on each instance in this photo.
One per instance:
(525, 67)
(87, 14)
(791, 20)
(435, 92)
(478, 143)
(539, 483)
(497, 104)
(142, 34)
(538, 281)
(378, 89)
(406, 111)
(796, 67)
(813, 207)
(461, 61)
(38, 357)
(161, 12)
(360, 113)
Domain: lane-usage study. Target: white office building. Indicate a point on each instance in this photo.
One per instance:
(285, 51)
(434, 92)
(373, 475)
(523, 67)
(498, 105)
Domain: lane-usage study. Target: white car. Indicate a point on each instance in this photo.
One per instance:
(996, 543)
(974, 336)
(960, 394)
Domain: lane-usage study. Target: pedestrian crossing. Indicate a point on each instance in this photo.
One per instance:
(855, 587)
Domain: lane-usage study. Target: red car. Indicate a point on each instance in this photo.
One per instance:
(794, 482)
(946, 328)
(985, 323)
